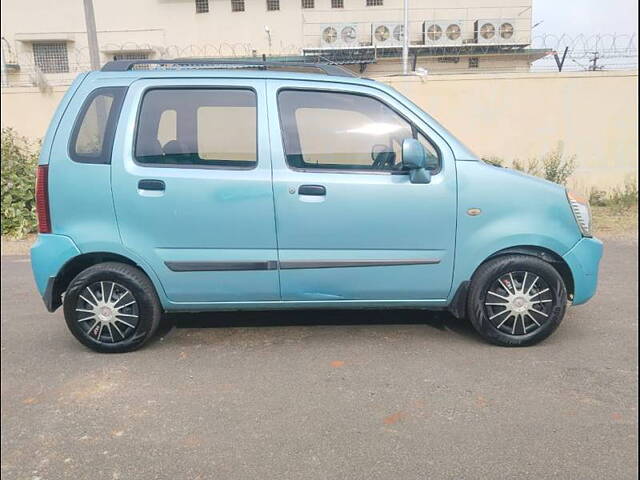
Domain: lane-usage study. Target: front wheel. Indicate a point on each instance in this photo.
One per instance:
(112, 307)
(516, 300)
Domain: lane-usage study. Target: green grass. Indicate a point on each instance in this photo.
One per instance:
(619, 198)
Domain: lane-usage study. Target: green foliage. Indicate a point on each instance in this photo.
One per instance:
(519, 165)
(625, 197)
(495, 161)
(19, 164)
(555, 167)
(598, 198)
(532, 167)
(551, 166)
(621, 199)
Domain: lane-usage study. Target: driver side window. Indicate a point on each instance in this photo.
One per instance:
(341, 131)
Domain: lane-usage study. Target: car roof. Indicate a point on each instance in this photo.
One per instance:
(239, 73)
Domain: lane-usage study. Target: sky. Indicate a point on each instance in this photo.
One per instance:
(589, 18)
(575, 17)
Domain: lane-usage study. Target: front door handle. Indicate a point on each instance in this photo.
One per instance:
(152, 185)
(314, 190)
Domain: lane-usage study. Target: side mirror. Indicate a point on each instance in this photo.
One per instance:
(414, 159)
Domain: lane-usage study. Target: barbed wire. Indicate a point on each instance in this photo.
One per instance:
(613, 51)
(612, 45)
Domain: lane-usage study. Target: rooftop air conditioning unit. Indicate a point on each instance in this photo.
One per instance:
(495, 31)
(387, 34)
(339, 35)
(442, 32)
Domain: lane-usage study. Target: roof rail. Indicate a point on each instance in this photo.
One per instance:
(327, 68)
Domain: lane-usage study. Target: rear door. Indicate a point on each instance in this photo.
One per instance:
(351, 225)
(192, 188)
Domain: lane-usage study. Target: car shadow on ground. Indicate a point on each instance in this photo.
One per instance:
(439, 320)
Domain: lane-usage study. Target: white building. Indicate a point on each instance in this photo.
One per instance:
(46, 42)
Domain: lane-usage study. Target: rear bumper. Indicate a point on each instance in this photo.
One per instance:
(48, 256)
(583, 260)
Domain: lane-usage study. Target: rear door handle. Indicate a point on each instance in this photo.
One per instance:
(314, 190)
(152, 185)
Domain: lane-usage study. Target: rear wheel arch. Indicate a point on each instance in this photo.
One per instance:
(112, 307)
(81, 262)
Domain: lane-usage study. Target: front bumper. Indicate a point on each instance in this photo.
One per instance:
(583, 260)
(48, 255)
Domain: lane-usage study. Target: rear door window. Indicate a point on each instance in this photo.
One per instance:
(198, 127)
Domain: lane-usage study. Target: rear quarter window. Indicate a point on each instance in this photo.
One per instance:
(92, 136)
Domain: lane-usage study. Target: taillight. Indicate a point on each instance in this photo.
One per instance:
(42, 199)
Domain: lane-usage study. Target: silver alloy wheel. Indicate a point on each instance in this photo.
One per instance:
(518, 303)
(107, 312)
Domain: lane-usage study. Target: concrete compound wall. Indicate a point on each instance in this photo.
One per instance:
(28, 111)
(595, 115)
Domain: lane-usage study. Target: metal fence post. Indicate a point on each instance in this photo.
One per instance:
(405, 43)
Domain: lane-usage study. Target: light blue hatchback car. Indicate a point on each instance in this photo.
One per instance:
(164, 186)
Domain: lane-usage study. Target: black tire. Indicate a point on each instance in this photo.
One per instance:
(126, 278)
(494, 271)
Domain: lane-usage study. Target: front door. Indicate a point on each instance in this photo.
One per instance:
(192, 188)
(351, 226)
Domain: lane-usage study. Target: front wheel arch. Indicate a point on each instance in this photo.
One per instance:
(516, 299)
(549, 256)
(458, 305)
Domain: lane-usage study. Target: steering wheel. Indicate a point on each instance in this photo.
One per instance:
(382, 156)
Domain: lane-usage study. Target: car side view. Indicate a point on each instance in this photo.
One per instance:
(205, 186)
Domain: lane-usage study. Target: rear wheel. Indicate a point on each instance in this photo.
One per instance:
(112, 307)
(516, 300)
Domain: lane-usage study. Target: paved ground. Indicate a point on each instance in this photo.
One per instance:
(330, 395)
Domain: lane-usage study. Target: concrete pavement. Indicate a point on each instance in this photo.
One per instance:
(324, 395)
